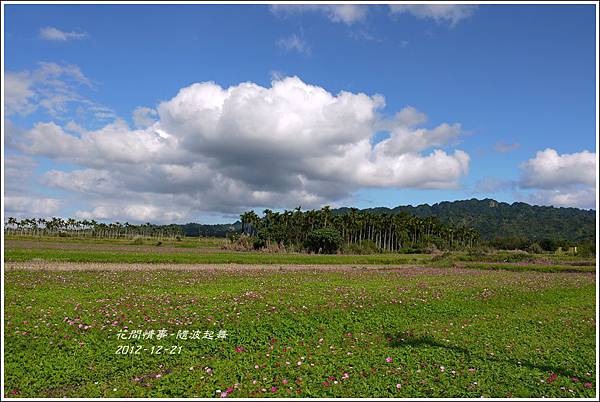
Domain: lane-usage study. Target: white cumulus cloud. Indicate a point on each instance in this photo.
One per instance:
(549, 170)
(561, 180)
(216, 149)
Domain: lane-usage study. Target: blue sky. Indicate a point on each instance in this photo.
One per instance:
(519, 79)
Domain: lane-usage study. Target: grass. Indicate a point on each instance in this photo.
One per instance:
(18, 254)
(185, 242)
(532, 267)
(376, 333)
(205, 251)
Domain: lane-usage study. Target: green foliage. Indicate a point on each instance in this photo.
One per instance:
(493, 219)
(388, 233)
(364, 247)
(259, 243)
(586, 250)
(325, 241)
(535, 248)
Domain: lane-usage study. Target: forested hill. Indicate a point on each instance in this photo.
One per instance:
(495, 219)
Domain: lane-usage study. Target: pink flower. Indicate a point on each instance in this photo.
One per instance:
(273, 389)
(398, 386)
(223, 394)
(285, 381)
(239, 349)
(588, 385)
(256, 366)
(551, 379)
(575, 379)
(345, 376)
(229, 390)
(389, 359)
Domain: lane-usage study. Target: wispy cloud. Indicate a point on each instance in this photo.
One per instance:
(505, 148)
(55, 34)
(294, 43)
(450, 14)
(489, 185)
(344, 13)
(51, 87)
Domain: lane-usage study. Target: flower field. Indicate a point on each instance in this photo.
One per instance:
(81, 329)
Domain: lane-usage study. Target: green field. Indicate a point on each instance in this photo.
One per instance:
(210, 251)
(385, 330)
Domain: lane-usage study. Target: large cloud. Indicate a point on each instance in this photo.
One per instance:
(561, 180)
(228, 149)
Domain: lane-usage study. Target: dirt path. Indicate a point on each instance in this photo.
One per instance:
(402, 270)
(76, 266)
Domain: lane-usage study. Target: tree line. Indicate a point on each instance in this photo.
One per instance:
(87, 228)
(387, 232)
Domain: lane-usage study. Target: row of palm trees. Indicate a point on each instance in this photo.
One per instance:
(389, 232)
(87, 228)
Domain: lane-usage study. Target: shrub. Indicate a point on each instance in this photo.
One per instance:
(535, 248)
(239, 242)
(364, 247)
(586, 250)
(326, 240)
(137, 240)
(259, 243)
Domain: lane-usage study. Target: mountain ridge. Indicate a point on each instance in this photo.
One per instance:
(496, 219)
